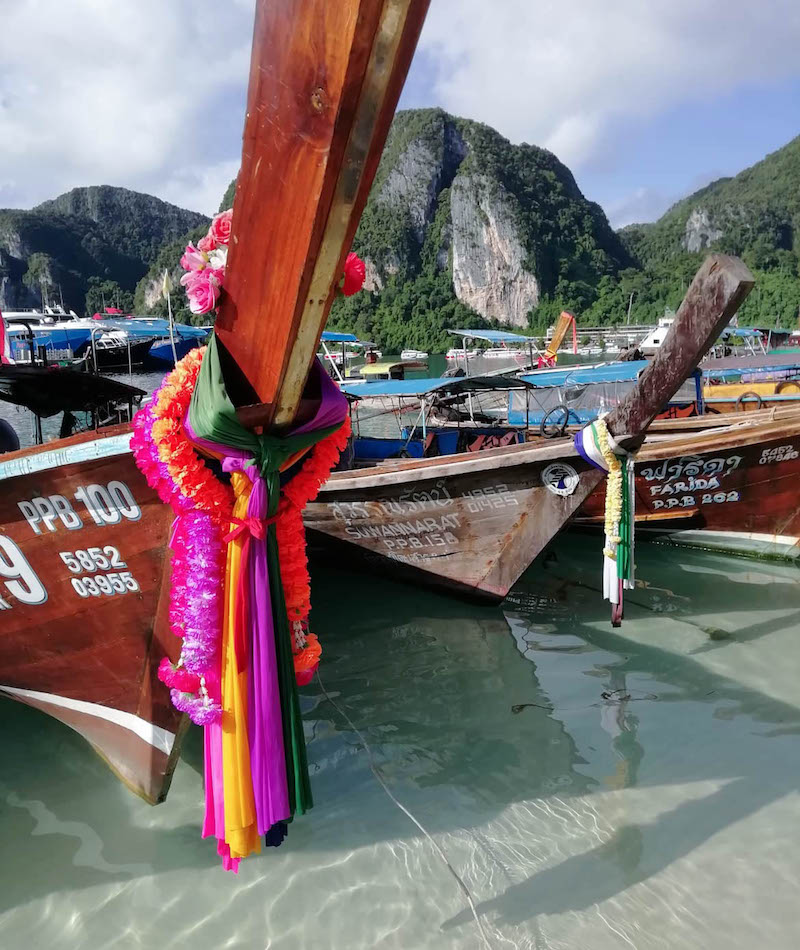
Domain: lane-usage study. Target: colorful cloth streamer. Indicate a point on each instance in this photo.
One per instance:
(240, 595)
(596, 445)
(264, 768)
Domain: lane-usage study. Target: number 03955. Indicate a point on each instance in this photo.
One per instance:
(99, 585)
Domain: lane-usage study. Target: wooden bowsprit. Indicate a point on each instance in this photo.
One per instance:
(325, 78)
(719, 288)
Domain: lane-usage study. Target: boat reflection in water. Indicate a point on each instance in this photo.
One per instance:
(592, 789)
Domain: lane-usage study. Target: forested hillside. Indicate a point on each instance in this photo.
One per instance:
(462, 229)
(755, 215)
(87, 246)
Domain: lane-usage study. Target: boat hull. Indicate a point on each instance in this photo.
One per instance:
(735, 490)
(161, 352)
(468, 523)
(118, 357)
(84, 601)
(473, 524)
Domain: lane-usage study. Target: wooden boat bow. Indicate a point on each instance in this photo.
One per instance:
(719, 288)
(325, 79)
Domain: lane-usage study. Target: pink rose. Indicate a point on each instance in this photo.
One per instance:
(220, 230)
(354, 275)
(193, 259)
(206, 244)
(202, 289)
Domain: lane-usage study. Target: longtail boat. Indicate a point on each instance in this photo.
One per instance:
(84, 571)
(473, 523)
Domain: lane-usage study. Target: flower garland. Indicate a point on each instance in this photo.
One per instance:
(613, 506)
(205, 267)
(596, 445)
(190, 477)
(203, 507)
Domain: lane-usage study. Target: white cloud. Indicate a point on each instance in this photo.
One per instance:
(561, 74)
(642, 204)
(149, 94)
(141, 93)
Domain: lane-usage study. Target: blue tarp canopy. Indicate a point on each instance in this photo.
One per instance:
(328, 336)
(734, 372)
(493, 336)
(148, 326)
(621, 372)
(396, 387)
(743, 332)
(446, 385)
(574, 375)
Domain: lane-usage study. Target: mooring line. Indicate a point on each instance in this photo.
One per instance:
(402, 807)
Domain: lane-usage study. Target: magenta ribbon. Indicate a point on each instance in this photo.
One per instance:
(264, 725)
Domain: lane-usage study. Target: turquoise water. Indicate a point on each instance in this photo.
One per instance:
(594, 788)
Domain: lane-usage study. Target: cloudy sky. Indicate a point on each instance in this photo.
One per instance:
(645, 100)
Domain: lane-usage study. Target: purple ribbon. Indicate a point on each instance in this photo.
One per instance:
(581, 450)
(264, 725)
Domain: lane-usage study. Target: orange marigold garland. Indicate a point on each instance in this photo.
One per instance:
(187, 471)
(193, 479)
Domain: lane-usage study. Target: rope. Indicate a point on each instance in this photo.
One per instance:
(374, 769)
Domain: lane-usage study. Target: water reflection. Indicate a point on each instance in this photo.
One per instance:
(594, 787)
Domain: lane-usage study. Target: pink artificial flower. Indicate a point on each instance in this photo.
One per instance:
(202, 289)
(354, 275)
(206, 244)
(193, 258)
(220, 230)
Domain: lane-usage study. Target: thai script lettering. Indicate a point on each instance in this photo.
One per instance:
(691, 466)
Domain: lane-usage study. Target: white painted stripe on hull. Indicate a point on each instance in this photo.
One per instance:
(157, 737)
(786, 544)
(55, 458)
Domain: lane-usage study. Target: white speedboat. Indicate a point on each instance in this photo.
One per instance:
(413, 355)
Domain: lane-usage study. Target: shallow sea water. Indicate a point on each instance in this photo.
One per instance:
(594, 788)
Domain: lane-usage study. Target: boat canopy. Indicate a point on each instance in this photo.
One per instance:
(743, 333)
(328, 336)
(481, 384)
(767, 371)
(378, 369)
(573, 375)
(148, 326)
(441, 385)
(47, 390)
(493, 336)
(395, 387)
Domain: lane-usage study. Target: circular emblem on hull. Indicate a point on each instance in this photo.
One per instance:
(560, 478)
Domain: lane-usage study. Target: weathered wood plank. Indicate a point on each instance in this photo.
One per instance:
(324, 83)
